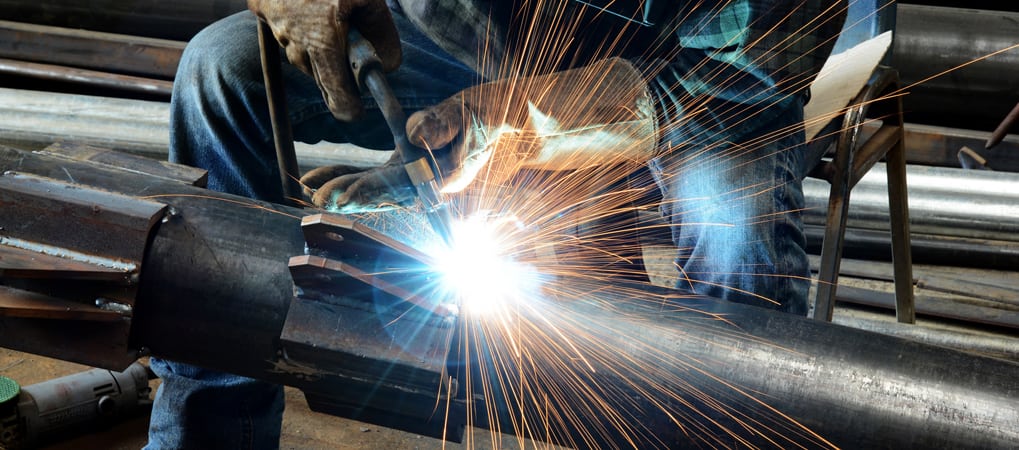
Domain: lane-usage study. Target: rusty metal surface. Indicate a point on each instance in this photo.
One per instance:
(848, 165)
(128, 162)
(1003, 128)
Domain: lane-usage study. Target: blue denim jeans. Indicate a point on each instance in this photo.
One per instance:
(734, 207)
(220, 122)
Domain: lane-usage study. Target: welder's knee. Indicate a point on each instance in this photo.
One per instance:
(220, 61)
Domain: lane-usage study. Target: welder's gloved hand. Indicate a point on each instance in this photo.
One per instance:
(594, 115)
(314, 34)
(350, 189)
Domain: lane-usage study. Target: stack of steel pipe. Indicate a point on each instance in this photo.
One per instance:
(123, 49)
(51, 58)
(973, 213)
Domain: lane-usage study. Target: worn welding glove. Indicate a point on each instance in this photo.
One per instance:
(599, 114)
(350, 189)
(595, 115)
(314, 34)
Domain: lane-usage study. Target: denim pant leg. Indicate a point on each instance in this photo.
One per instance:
(735, 215)
(220, 122)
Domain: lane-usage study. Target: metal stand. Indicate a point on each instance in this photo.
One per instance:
(848, 165)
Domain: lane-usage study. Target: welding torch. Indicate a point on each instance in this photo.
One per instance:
(420, 163)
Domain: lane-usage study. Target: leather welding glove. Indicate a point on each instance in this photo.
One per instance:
(314, 35)
(595, 115)
(350, 189)
(599, 114)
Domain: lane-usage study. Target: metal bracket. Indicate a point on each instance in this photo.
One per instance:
(363, 311)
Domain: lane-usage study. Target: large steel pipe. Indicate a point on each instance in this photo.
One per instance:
(942, 201)
(667, 372)
(930, 40)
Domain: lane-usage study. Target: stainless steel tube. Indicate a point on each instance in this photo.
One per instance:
(942, 201)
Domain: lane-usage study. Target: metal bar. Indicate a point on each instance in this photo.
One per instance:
(973, 283)
(926, 248)
(18, 303)
(282, 134)
(33, 119)
(98, 51)
(898, 206)
(21, 263)
(178, 20)
(128, 162)
(874, 148)
(106, 226)
(999, 133)
(92, 78)
(944, 333)
(849, 165)
(934, 306)
(838, 209)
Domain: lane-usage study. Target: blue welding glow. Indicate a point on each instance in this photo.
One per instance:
(479, 270)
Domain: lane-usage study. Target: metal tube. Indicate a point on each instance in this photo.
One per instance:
(215, 291)
(105, 52)
(942, 201)
(123, 83)
(930, 40)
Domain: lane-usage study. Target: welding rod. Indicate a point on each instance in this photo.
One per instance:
(999, 133)
(419, 163)
(283, 138)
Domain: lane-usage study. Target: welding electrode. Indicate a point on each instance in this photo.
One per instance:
(419, 163)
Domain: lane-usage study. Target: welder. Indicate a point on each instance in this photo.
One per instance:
(709, 94)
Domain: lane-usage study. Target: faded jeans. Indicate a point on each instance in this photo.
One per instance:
(730, 217)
